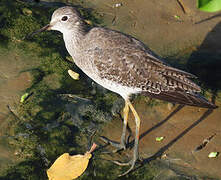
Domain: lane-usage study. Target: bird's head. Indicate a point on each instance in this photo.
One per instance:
(63, 19)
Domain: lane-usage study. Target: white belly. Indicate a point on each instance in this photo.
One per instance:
(124, 91)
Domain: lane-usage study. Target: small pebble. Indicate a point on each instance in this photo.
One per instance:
(170, 106)
(118, 5)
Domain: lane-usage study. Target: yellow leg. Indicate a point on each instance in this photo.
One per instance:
(136, 141)
(123, 136)
(122, 144)
(137, 119)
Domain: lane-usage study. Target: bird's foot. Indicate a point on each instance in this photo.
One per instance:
(118, 146)
(131, 163)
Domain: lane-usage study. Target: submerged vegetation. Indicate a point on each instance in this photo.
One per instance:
(38, 131)
(48, 122)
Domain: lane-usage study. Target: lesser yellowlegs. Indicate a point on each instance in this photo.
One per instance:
(123, 65)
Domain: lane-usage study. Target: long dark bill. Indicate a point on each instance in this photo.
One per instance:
(45, 28)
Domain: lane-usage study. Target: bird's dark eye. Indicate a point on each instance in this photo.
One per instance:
(64, 18)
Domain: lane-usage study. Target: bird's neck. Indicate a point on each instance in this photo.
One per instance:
(74, 37)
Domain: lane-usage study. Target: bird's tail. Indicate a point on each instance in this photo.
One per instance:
(183, 98)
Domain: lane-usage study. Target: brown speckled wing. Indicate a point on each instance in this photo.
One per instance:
(127, 61)
(136, 68)
(191, 99)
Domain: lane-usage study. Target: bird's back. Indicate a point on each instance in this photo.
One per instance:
(123, 60)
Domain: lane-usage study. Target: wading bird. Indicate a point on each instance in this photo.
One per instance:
(124, 65)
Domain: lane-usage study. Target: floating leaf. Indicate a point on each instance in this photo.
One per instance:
(158, 139)
(69, 58)
(73, 74)
(209, 5)
(24, 97)
(27, 11)
(213, 154)
(68, 167)
(164, 156)
(177, 17)
(89, 22)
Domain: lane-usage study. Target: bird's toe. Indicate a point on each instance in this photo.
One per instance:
(117, 145)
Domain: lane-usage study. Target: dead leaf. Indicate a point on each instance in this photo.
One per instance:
(73, 74)
(68, 167)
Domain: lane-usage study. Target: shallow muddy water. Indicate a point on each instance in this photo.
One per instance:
(15, 78)
(187, 40)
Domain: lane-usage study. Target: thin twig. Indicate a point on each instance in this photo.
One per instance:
(204, 143)
(182, 6)
(12, 112)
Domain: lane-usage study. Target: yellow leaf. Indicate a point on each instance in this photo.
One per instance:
(69, 58)
(73, 74)
(24, 97)
(68, 167)
(88, 22)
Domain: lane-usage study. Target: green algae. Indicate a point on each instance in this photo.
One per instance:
(35, 132)
(41, 128)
